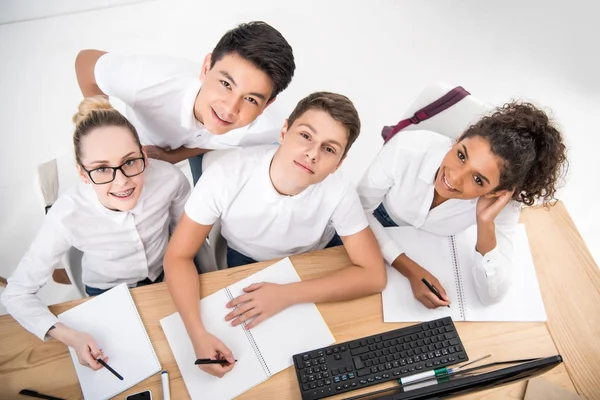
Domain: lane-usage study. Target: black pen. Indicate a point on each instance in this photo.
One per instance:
(433, 290)
(202, 361)
(115, 373)
(33, 393)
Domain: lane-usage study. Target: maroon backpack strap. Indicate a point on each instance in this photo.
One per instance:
(441, 104)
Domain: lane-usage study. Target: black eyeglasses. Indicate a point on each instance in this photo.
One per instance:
(129, 168)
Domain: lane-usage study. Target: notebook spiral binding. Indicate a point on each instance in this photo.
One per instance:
(250, 338)
(143, 326)
(460, 290)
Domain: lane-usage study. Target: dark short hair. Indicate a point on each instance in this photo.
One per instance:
(531, 148)
(263, 46)
(338, 106)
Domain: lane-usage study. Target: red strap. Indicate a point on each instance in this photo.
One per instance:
(441, 104)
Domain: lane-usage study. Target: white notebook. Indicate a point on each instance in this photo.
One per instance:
(112, 319)
(449, 259)
(261, 351)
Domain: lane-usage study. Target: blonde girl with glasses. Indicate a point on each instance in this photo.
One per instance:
(120, 217)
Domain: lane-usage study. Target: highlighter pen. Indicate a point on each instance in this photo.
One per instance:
(433, 290)
(438, 373)
(164, 377)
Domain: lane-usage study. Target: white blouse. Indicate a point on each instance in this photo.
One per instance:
(402, 177)
(117, 246)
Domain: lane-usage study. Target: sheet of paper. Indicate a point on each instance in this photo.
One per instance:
(112, 319)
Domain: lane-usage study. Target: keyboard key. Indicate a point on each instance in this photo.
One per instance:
(359, 351)
(386, 376)
(378, 353)
(337, 357)
(336, 350)
(322, 360)
(346, 386)
(351, 375)
(371, 341)
(329, 352)
(328, 382)
(353, 345)
(363, 382)
(388, 366)
(396, 373)
(381, 368)
(337, 379)
(462, 356)
(313, 385)
(363, 372)
(382, 360)
(344, 377)
(348, 368)
(335, 371)
(353, 384)
(343, 348)
(325, 374)
(338, 387)
(369, 363)
(358, 363)
(320, 383)
(378, 377)
(371, 380)
(419, 367)
(305, 386)
(378, 339)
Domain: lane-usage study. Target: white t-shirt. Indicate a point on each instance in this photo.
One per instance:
(118, 247)
(160, 92)
(402, 177)
(263, 224)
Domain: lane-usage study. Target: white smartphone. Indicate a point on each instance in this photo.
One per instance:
(145, 395)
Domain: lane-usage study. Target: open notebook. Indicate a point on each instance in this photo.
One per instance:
(112, 319)
(449, 259)
(261, 352)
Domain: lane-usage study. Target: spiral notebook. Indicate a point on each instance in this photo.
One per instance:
(113, 320)
(261, 352)
(450, 260)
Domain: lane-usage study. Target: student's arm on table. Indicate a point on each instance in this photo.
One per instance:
(492, 266)
(173, 156)
(182, 280)
(365, 277)
(84, 68)
(35, 269)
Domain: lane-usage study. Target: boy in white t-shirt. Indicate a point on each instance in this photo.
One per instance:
(181, 109)
(275, 202)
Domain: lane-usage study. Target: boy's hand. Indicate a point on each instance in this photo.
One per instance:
(208, 346)
(158, 153)
(261, 301)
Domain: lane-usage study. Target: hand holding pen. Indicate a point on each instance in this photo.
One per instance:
(218, 358)
(434, 290)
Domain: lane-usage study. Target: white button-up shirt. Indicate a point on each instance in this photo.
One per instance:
(402, 177)
(160, 93)
(117, 246)
(262, 224)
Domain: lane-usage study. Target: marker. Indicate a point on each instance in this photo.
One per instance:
(164, 377)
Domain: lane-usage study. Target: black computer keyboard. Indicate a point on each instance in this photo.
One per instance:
(367, 361)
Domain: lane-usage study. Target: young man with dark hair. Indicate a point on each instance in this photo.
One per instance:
(181, 109)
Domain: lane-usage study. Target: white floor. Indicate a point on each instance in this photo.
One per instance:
(380, 53)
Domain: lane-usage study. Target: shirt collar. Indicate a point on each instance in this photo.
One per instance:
(431, 163)
(188, 119)
(117, 216)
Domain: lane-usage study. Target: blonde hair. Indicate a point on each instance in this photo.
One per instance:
(96, 112)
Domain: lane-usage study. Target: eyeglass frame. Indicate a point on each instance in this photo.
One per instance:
(120, 168)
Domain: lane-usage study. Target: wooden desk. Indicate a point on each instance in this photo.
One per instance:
(569, 280)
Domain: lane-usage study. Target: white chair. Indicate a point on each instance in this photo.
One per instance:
(65, 176)
(452, 121)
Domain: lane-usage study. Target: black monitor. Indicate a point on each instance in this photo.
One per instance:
(469, 380)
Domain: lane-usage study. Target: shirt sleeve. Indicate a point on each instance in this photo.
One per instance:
(118, 75)
(20, 296)
(205, 204)
(372, 189)
(182, 193)
(348, 217)
(492, 272)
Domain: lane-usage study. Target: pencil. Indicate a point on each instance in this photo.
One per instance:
(115, 373)
(433, 290)
(202, 361)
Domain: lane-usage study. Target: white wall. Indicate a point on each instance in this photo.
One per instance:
(379, 53)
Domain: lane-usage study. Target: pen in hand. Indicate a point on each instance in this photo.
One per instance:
(105, 365)
(202, 361)
(433, 290)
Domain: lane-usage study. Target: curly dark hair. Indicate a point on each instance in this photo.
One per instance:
(531, 147)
